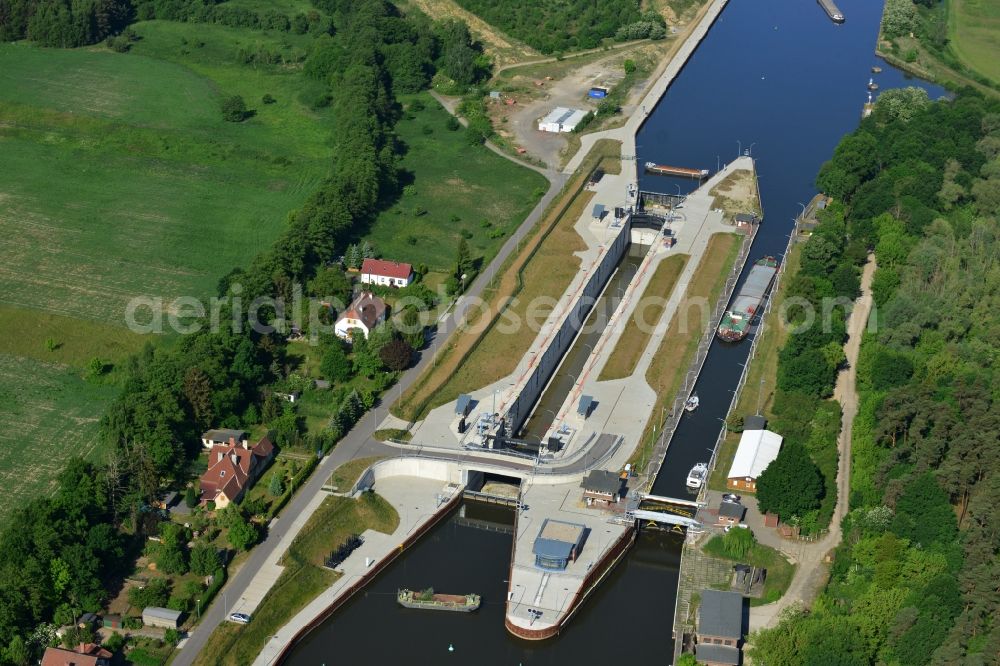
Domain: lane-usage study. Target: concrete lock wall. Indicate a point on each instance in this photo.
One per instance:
(563, 339)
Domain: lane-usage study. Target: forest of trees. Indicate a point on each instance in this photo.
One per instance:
(553, 27)
(64, 552)
(915, 580)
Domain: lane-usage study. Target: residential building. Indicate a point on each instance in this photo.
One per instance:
(232, 469)
(757, 449)
(154, 616)
(601, 487)
(720, 628)
(386, 273)
(84, 654)
(558, 543)
(223, 436)
(731, 513)
(364, 313)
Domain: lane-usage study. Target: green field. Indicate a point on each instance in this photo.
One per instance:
(461, 188)
(974, 31)
(49, 414)
(126, 181)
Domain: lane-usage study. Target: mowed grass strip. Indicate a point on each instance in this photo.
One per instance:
(440, 380)
(76, 341)
(49, 414)
(455, 191)
(974, 30)
(678, 347)
(632, 343)
(303, 578)
(762, 374)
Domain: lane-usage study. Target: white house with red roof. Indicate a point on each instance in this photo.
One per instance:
(386, 273)
(232, 468)
(364, 313)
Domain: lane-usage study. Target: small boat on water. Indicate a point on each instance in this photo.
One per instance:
(427, 599)
(876, 70)
(871, 84)
(691, 404)
(697, 475)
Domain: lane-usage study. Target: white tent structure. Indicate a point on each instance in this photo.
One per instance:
(757, 449)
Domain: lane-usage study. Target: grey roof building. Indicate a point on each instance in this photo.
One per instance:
(602, 485)
(754, 422)
(558, 543)
(154, 616)
(717, 655)
(731, 512)
(720, 617)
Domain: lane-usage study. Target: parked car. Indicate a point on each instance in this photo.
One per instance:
(730, 497)
(743, 525)
(241, 618)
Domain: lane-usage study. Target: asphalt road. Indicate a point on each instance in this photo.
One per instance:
(358, 442)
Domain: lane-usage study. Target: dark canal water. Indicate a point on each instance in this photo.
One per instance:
(776, 75)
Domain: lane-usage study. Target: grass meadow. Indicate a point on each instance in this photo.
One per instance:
(974, 30)
(49, 414)
(456, 188)
(127, 182)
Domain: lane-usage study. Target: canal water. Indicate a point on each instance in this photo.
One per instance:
(782, 79)
(568, 372)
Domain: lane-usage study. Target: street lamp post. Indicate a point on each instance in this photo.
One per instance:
(750, 149)
(739, 147)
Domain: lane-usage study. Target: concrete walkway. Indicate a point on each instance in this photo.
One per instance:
(811, 574)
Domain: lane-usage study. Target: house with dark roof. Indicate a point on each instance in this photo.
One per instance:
(558, 543)
(731, 513)
(232, 469)
(84, 654)
(386, 273)
(364, 313)
(720, 628)
(222, 436)
(601, 487)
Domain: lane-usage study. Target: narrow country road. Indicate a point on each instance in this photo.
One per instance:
(358, 442)
(810, 575)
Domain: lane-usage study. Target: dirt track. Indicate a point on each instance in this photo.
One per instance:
(811, 574)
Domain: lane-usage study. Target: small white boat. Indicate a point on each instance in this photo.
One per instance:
(691, 404)
(696, 477)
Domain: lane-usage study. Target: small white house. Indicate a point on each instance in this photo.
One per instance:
(365, 313)
(386, 273)
(561, 119)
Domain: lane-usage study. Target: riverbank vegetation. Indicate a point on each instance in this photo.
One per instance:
(954, 42)
(677, 349)
(304, 576)
(913, 581)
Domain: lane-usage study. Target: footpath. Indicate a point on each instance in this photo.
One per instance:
(811, 572)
